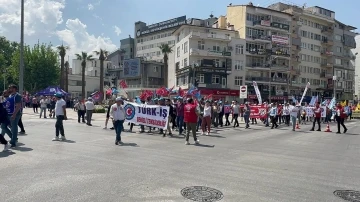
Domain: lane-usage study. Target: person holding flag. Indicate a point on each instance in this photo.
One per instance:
(317, 116)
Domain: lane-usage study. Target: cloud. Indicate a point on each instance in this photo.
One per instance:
(75, 36)
(90, 7)
(41, 17)
(117, 30)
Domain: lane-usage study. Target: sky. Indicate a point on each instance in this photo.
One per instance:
(88, 25)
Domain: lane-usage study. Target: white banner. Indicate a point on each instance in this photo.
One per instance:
(310, 111)
(257, 92)
(147, 115)
(306, 88)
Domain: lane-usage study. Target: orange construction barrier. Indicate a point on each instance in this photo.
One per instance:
(327, 128)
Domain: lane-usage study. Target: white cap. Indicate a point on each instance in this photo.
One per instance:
(118, 99)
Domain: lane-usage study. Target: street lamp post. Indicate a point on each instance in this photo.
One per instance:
(21, 72)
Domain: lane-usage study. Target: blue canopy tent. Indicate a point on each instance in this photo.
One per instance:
(51, 90)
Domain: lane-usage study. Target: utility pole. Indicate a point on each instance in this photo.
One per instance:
(21, 72)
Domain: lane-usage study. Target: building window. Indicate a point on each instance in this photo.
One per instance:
(200, 78)
(156, 69)
(201, 45)
(238, 81)
(239, 49)
(185, 47)
(338, 37)
(216, 47)
(223, 81)
(338, 61)
(215, 79)
(185, 62)
(95, 73)
(213, 35)
(178, 51)
(217, 62)
(239, 64)
(338, 49)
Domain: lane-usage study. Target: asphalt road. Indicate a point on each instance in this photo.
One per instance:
(250, 165)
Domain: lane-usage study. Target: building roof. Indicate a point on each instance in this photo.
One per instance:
(349, 26)
(214, 28)
(261, 8)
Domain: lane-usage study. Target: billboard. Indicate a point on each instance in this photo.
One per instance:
(168, 24)
(132, 67)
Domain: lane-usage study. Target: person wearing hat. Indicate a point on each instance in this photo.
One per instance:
(89, 106)
(117, 113)
(60, 113)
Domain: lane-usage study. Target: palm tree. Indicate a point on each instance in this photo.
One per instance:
(83, 57)
(166, 49)
(62, 52)
(67, 68)
(102, 56)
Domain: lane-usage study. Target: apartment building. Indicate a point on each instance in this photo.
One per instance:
(213, 56)
(267, 49)
(92, 77)
(324, 52)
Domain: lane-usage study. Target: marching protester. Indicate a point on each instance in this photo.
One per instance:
(117, 114)
(89, 107)
(80, 107)
(180, 114)
(190, 118)
(206, 118)
(227, 114)
(171, 111)
(43, 106)
(340, 118)
(286, 114)
(273, 116)
(60, 113)
(294, 111)
(5, 122)
(317, 116)
(247, 111)
(236, 110)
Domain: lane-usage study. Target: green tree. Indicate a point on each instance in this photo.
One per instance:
(166, 49)
(7, 49)
(40, 67)
(102, 56)
(62, 52)
(83, 57)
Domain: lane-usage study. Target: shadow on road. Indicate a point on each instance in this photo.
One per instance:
(6, 154)
(68, 141)
(129, 144)
(204, 145)
(218, 136)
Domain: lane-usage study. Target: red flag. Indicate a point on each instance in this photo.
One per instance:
(162, 91)
(209, 96)
(108, 91)
(123, 84)
(181, 92)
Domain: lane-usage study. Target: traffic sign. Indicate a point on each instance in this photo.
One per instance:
(243, 92)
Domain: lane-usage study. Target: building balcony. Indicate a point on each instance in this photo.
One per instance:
(327, 53)
(281, 54)
(327, 42)
(326, 75)
(221, 37)
(271, 25)
(211, 85)
(262, 52)
(260, 38)
(266, 79)
(296, 48)
(294, 71)
(209, 53)
(327, 65)
(327, 30)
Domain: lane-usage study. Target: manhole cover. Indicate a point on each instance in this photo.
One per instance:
(348, 195)
(201, 193)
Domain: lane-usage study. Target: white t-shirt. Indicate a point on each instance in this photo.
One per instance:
(43, 103)
(59, 107)
(89, 105)
(286, 110)
(235, 109)
(294, 111)
(207, 111)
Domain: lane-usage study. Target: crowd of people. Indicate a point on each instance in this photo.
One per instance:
(186, 115)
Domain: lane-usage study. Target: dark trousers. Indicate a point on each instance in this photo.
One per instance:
(191, 127)
(227, 122)
(59, 127)
(340, 121)
(173, 120)
(287, 119)
(21, 125)
(235, 116)
(35, 108)
(318, 122)
(3, 140)
(221, 116)
(273, 121)
(81, 114)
